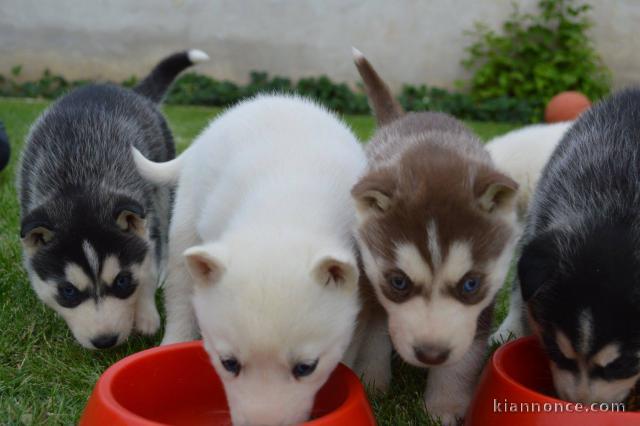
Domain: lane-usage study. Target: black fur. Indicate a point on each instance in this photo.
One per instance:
(581, 247)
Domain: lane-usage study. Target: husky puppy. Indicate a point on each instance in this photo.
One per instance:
(523, 153)
(262, 246)
(580, 265)
(436, 230)
(93, 231)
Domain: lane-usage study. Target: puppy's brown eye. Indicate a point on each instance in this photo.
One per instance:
(399, 282)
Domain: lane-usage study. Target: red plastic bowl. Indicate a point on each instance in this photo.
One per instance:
(177, 385)
(518, 372)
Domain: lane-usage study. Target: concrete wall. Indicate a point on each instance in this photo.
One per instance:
(409, 41)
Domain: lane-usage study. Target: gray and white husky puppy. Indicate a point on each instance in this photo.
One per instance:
(93, 231)
(579, 273)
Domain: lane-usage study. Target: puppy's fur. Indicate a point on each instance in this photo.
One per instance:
(580, 268)
(262, 245)
(91, 226)
(523, 153)
(436, 231)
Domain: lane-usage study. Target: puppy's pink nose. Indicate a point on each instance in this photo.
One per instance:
(431, 355)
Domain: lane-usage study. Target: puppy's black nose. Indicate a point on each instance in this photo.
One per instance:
(104, 341)
(431, 355)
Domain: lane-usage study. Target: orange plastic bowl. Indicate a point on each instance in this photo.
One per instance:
(566, 106)
(518, 375)
(177, 385)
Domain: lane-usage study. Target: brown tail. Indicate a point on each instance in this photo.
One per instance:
(385, 107)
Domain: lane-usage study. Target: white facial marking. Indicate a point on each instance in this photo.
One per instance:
(110, 269)
(586, 331)
(564, 344)
(577, 387)
(76, 276)
(433, 244)
(606, 355)
(92, 257)
(457, 263)
(411, 262)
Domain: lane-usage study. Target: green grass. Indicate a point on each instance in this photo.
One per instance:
(45, 377)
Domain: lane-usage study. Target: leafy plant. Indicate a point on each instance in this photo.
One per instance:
(537, 56)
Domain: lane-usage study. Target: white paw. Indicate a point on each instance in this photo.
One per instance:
(170, 339)
(147, 318)
(449, 411)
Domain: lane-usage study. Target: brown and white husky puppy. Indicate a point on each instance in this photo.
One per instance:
(437, 229)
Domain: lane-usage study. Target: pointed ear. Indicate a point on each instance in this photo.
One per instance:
(537, 264)
(374, 193)
(130, 217)
(205, 263)
(336, 269)
(495, 191)
(35, 234)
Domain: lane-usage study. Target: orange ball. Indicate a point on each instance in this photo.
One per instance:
(566, 106)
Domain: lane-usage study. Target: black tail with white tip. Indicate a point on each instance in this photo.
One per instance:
(157, 83)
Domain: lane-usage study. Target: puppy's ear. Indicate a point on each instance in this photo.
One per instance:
(35, 234)
(537, 264)
(130, 217)
(374, 193)
(337, 269)
(205, 263)
(36, 230)
(495, 191)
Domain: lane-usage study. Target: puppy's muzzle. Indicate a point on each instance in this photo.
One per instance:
(431, 355)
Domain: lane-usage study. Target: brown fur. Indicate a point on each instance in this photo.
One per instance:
(427, 167)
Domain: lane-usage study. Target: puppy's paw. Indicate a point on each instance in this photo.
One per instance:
(377, 378)
(147, 319)
(450, 411)
(170, 339)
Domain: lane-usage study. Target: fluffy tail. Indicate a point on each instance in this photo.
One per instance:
(385, 107)
(166, 173)
(156, 84)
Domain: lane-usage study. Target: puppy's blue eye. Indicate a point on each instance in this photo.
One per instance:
(303, 369)
(123, 285)
(69, 296)
(399, 282)
(470, 285)
(231, 365)
(68, 291)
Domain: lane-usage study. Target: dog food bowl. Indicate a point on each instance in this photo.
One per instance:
(177, 385)
(516, 389)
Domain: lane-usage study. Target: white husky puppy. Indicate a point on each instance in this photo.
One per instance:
(523, 153)
(262, 244)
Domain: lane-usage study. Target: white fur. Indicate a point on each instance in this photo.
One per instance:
(523, 153)
(264, 217)
(166, 173)
(196, 55)
(357, 55)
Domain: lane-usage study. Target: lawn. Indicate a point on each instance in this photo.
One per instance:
(45, 377)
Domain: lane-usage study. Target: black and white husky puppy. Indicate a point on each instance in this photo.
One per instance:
(93, 231)
(579, 272)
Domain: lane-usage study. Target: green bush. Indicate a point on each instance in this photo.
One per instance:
(537, 56)
(198, 89)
